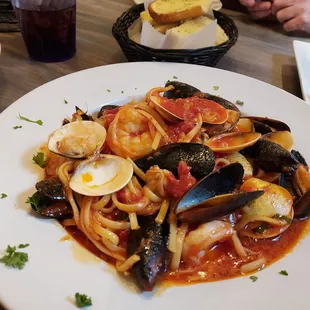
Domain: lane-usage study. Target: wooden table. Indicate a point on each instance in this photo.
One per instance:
(263, 51)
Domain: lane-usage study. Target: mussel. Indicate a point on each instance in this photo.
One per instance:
(49, 201)
(150, 242)
(82, 114)
(272, 124)
(180, 90)
(107, 108)
(213, 197)
(197, 156)
(271, 157)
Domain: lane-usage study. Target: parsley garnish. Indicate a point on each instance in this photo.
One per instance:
(14, 259)
(82, 300)
(260, 229)
(34, 200)
(136, 88)
(3, 195)
(175, 77)
(253, 278)
(108, 90)
(17, 127)
(239, 102)
(122, 91)
(216, 87)
(23, 118)
(283, 273)
(22, 246)
(39, 159)
(65, 101)
(282, 217)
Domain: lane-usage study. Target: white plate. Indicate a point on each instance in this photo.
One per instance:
(55, 271)
(302, 55)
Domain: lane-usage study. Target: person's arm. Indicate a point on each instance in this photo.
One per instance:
(294, 15)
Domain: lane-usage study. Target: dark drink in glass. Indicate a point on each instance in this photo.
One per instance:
(49, 33)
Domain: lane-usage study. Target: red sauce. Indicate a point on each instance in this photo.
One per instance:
(188, 108)
(108, 116)
(177, 187)
(222, 261)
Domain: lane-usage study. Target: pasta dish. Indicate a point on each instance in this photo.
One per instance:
(176, 187)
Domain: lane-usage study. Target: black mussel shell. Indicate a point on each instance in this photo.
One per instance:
(52, 188)
(299, 157)
(105, 108)
(302, 206)
(273, 123)
(197, 156)
(84, 116)
(223, 102)
(181, 90)
(65, 122)
(150, 242)
(48, 208)
(223, 181)
(217, 207)
(286, 181)
(271, 157)
(261, 127)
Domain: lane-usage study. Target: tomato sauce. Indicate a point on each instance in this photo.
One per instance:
(222, 261)
(188, 108)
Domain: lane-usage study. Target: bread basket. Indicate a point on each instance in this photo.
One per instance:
(133, 51)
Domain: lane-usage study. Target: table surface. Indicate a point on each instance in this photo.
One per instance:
(263, 51)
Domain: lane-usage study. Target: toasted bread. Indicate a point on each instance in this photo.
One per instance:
(145, 16)
(173, 11)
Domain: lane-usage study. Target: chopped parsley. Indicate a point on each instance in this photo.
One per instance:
(23, 118)
(65, 101)
(253, 278)
(260, 229)
(82, 300)
(122, 91)
(175, 77)
(216, 87)
(283, 273)
(108, 90)
(22, 246)
(136, 88)
(39, 159)
(17, 127)
(282, 217)
(239, 102)
(3, 195)
(34, 200)
(14, 259)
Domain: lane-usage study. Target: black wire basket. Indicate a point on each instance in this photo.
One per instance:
(208, 56)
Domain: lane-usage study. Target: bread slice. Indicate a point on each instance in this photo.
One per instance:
(173, 11)
(145, 16)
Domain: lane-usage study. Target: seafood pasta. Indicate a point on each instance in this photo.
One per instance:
(177, 187)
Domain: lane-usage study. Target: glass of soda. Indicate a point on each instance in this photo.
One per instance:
(48, 28)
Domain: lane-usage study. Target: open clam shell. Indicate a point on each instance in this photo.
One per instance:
(102, 175)
(78, 139)
(232, 142)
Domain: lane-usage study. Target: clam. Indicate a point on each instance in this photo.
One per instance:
(301, 180)
(232, 142)
(268, 215)
(199, 157)
(101, 175)
(213, 197)
(175, 110)
(78, 139)
(244, 125)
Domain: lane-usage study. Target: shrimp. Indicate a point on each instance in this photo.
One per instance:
(200, 240)
(130, 134)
